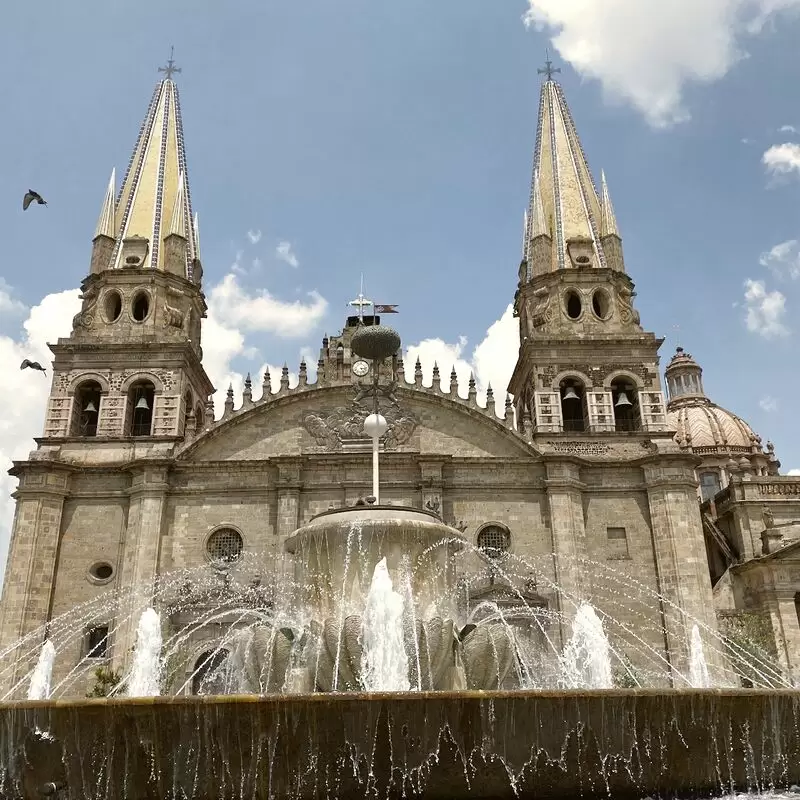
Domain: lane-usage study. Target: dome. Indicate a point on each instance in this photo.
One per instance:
(705, 427)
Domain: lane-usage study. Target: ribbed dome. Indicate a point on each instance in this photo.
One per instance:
(705, 427)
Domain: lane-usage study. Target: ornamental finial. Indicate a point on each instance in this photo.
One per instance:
(170, 69)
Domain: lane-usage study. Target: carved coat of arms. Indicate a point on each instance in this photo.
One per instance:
(332, 428)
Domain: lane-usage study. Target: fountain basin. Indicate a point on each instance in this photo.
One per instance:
(335, 555)
(553, 744)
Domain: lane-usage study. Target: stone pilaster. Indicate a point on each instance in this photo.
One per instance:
(32, 559)
(140, 561)
(288, 487)
(680, 556)
(432, 484)
(567, 528)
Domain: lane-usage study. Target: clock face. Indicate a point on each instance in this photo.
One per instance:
(360, 368)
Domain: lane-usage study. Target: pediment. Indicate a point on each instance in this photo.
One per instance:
(326, 420)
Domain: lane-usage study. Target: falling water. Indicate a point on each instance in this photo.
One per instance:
(698, 669)
(384, 663)
(39, 688)
(145, 677)
(586, 661)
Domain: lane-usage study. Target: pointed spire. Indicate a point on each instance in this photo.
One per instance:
(608, 225)
(303, 373)
(472, 391)
(247, 394)
(418, 373)
(229, 401)
(564, 201)
(284, 378)
(105, 224)
(266, 384)
(436, 383)
(489, 398)
(178, 220)
(156, 174)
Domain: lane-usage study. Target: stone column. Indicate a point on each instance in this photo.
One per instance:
(141, 550)
(288, 487)
(680, 555)
(567, 528)
(32, 562)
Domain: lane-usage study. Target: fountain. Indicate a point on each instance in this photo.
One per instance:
(372, 670)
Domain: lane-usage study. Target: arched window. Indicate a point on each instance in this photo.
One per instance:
(225, 544)
(141, 399)
(187, 413)
(494, 540)
(573, 405)
(86, 409)
(709, 484)
(199, 419)
(626, 405)
(211, 673)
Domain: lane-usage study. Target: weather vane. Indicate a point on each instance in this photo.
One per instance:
(170, 69)
(549, 69)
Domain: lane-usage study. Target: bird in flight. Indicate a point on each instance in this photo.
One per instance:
(30, 197)
(26, 364)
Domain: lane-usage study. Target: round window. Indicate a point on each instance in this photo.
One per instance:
(113, 305)
(140, 307)
(101, 572)
(224, 544)
(601, 304)
(493, 541)
(572, 302)
(583, 260)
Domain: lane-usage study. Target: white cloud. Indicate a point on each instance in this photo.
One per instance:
(254, 236)
(783, 259)
(768, 404)
(787, 129)
(782, 159)
(231, 305)
(492, 361)
(26, 391)
(285, 253)
(646, 52)
(765, 310)
(793, 472)
(8, 304)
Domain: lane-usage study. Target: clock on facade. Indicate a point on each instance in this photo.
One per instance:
(360, 368)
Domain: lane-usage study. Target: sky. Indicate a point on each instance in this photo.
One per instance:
(394, 139)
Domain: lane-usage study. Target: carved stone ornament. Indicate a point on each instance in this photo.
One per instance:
(85, 317)
(541, 312)
(627, 313)
(346, 424)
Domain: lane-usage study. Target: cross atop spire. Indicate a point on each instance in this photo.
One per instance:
(360, 302)
(548, 69)
(170, 69)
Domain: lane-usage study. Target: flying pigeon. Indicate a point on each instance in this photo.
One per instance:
(33, 365)
(30, 197)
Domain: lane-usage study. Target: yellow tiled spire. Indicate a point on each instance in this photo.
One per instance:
(155, 186)
(563, 193)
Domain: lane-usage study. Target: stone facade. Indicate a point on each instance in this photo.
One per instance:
(582, 474)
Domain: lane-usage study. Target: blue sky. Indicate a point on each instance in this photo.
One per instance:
(395, 139)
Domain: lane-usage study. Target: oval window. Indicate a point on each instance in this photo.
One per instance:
(140, 307)
(601, 304)
(101, 572)
(573, 305)
(113, 306)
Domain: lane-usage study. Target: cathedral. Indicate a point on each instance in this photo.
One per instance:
(593, 473)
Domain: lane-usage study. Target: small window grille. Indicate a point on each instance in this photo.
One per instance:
(493, 541)
(224, 545)
(97, 642)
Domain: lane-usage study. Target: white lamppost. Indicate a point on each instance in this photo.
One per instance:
(375, 343)
(375, 426)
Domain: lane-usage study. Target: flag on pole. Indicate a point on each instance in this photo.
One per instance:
(386, 308)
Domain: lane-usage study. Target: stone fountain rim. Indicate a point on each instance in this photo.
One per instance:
(411, 697)
(378, 507)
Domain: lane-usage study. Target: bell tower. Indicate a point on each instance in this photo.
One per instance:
(131, 367)
(585, 364)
